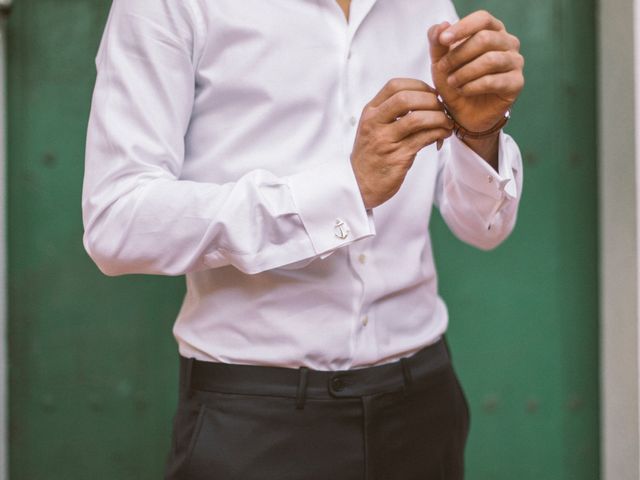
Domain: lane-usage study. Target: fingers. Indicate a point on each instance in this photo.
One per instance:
(396, 85)
(418, 140)
(404, 101)
(410, 106)
(486, 64)
(418, 121)
(468, 26)
(506, 85)
(404, 117)
(482, 58)
(437, 49)
(479, 44)
(476, 57)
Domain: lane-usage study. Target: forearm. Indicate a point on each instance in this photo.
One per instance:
(168, 226)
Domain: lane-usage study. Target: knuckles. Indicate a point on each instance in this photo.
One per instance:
(402, 100)
(368, 114)
(425, 120)
(485, 37)
(398, 84)
(485, 16)
(495, 58)
(445, 121)
(365, 129)
(413, 121)
(488, 20)
(515, 41)
(394, 85)
(499, 83)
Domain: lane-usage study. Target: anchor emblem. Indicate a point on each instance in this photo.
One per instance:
(341, 231)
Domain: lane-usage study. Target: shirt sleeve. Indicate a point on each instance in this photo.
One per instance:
(479, 204)
(139, 215)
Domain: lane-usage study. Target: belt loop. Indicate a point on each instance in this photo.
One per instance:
(406, 373)
(302, 388)
(187, 376)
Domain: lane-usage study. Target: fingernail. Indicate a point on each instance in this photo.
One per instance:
(439, 144)
(446, 37)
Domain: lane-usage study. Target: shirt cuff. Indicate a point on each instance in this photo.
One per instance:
(330, 206)
(471, 169)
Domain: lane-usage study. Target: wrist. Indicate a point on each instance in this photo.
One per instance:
(464, 132)
(487, 147)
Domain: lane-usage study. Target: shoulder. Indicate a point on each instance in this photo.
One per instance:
(169, 14)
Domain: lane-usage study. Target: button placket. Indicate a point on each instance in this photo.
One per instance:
(350, 115)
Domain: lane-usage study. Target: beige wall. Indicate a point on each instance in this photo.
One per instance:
(4, 419)
(619, 248)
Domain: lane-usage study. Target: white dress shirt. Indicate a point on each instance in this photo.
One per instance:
(219, 146)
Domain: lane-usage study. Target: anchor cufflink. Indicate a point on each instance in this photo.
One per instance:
(340, 229)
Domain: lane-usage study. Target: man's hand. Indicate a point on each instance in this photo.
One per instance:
(476, 68)
(404, 117)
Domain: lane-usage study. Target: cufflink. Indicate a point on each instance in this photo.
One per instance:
(340, 229)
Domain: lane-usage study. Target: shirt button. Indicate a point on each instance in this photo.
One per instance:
(362, 258)
(337, 383)
(490, 179)
(353, 120)
(365, 320)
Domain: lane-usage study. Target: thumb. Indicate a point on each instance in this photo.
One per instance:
(436, 48)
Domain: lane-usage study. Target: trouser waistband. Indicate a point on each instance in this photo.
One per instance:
(306, 383)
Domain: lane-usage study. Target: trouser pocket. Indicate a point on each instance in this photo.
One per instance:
(187, 425)
(466, 411)
(255, 437)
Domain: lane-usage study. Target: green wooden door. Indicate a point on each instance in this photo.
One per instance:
(92, 362)
(524, 318)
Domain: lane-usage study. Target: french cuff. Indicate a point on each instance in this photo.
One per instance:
(330, 206)
(471, 169)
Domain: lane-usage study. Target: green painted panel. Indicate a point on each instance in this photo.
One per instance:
(92, 361)
(524, 318)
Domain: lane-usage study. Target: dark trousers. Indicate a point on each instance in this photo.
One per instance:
(407, 420)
